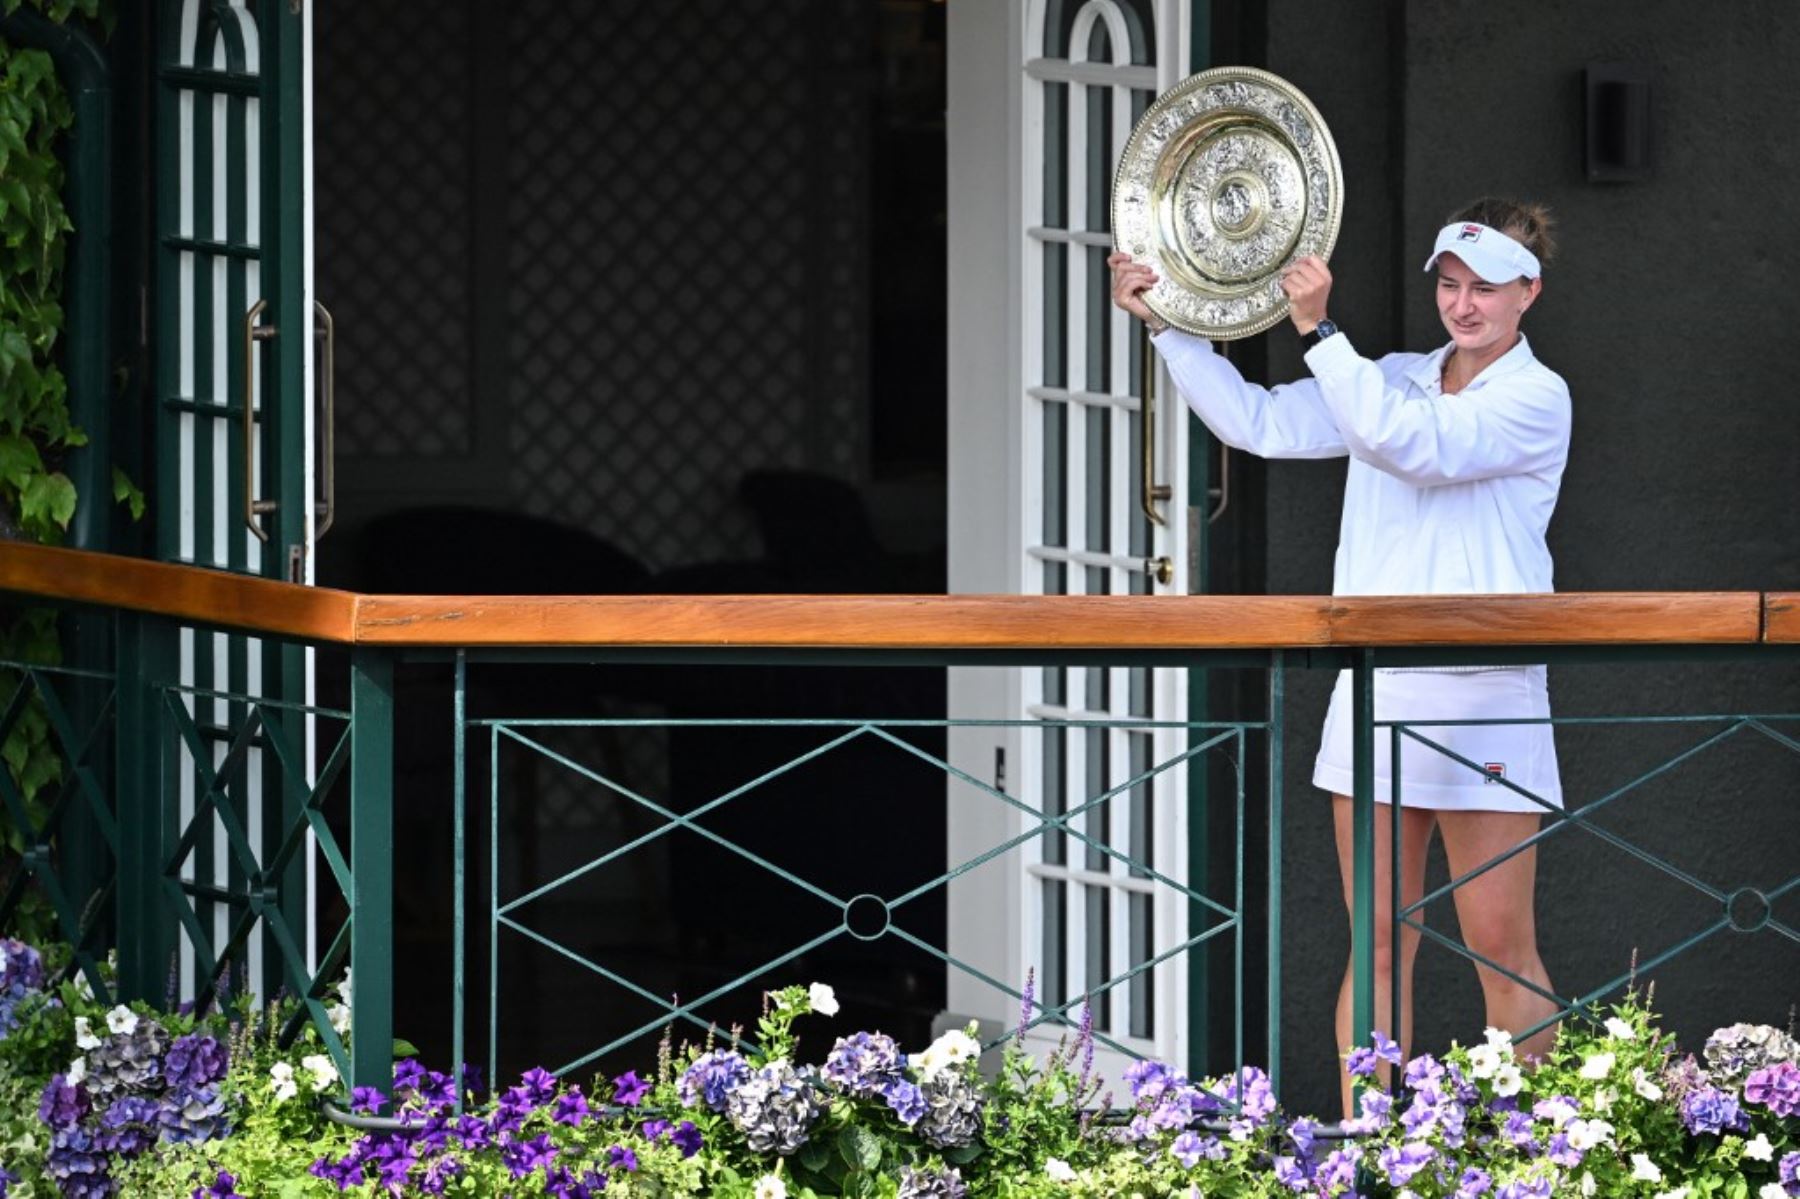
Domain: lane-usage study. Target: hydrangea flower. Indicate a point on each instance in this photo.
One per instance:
(1775, 1087)
(932, 1184)
(953, 1104)
(194, 1061)
(1711, 1110)
(864, 1064)
(711, 1079)
(775, 1108)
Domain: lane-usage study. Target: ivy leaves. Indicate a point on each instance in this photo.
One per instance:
(35, 431)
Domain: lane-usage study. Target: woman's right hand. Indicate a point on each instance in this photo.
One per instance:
(1130, 280)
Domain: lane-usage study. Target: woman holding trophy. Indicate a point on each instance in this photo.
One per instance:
(1455, 461)
(1456, 456)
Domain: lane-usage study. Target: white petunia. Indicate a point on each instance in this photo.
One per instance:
(1619, 1030)
(1588, 1185)
(823, 999)
(339, 1015)
(1484, 1060)
(1598, 1065)
(1604, 1098)
(323, 1072)
(1499, 1038)
(951, 1049)
(770, 1187)
(122, 1020)
(1643, 1169)
(1680, 1192)
(1508, 1080)
(281, 1078)
(1759, 1150)
(76, 1072)
(1588, 1134)
(1058, 1170)
(1772, 1190)
(83, 987)
(1644, 1085)
(84, 1034)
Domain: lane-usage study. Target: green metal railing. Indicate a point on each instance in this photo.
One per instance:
(160, 733)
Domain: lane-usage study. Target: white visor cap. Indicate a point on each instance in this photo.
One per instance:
(1489, 252)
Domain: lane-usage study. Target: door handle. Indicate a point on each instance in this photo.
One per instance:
(1154, 492)
(326, 512)
(253, 333)
(1223, 490)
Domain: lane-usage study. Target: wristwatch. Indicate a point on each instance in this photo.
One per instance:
(1325, 328)
(1155, 324)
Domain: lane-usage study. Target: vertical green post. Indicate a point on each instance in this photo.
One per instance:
(1394, 980)
(145, 650)
(1362, 849)
(1277, 704)
(458, 901)
(372, 869)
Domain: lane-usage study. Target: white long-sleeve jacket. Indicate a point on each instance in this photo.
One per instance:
(1447, 494)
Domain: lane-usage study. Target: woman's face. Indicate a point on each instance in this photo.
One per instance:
(1481, 316)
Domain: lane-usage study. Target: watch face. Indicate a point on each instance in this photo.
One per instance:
(1324, 329)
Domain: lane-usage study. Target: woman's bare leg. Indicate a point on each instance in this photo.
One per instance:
(1497, 911)
(1415, 839)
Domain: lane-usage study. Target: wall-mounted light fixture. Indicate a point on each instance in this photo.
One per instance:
(1620, 137)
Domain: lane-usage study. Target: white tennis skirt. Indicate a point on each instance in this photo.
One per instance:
(1524, 754)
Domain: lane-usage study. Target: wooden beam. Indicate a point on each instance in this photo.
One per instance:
(1781, 617)
(188, 593)
(1575, 618)
(847, 622)
(925, 622)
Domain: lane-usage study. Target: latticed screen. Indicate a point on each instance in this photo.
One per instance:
(611, 257)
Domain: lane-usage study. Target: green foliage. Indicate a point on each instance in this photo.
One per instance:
(37, 497)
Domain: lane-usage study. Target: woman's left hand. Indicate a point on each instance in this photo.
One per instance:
(1308, 285)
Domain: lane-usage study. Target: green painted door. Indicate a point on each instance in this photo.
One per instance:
(233, 327)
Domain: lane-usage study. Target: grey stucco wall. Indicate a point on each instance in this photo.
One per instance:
(1669, 311)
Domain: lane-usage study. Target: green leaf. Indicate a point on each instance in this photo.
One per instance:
(128, 493)
(403, 1048)
(48, 498)
(19, 460)
(861, 1149)
(962, 1155)
(813, 1155)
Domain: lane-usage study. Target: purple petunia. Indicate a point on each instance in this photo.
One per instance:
(686, 1138)
(571, 1108)
(629, 1090)
(223, 1187)
(1401, 1162)
(1474, 1183)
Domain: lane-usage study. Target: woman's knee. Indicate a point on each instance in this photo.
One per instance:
(1508, 943)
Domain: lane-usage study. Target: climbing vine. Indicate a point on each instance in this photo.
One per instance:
(37, 497)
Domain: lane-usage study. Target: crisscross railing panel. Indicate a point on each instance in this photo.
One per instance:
(210, 761)
(865, 916)
(1758, 900)
(65, 785)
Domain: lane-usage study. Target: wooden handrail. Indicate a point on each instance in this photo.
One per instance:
(213, 597)
(1781, 617)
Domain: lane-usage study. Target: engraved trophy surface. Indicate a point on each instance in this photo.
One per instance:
(1228, 178)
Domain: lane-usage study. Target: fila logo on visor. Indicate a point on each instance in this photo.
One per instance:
(1495, 771)
(1469, 233)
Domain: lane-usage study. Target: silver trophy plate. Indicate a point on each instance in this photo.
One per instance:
(1229, 177)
